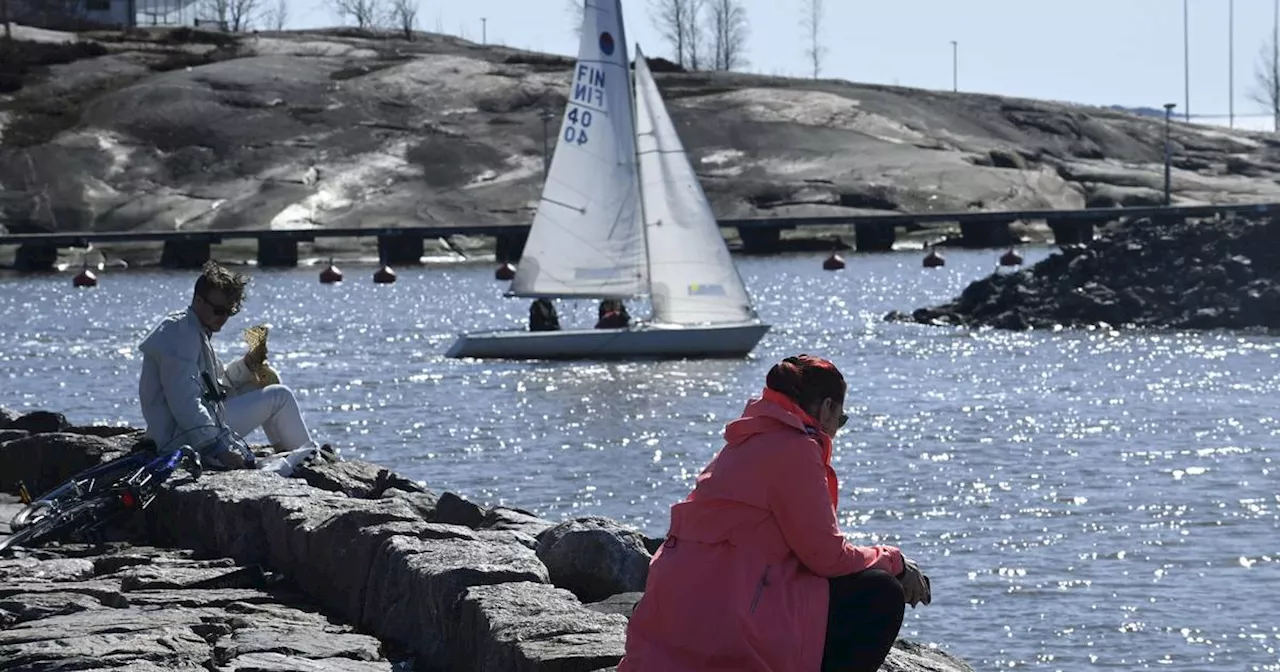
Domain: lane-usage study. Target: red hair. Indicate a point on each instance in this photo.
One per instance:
(806, 380)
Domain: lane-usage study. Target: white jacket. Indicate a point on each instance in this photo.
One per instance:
(175, 405)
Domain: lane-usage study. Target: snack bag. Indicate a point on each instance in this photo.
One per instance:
(256, 337)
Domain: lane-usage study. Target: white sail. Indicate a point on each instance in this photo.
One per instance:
(693, 280)
(587, 238)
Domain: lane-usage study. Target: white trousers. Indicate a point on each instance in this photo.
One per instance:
(275, 410)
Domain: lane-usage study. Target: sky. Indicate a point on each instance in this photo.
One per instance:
(1101, 52)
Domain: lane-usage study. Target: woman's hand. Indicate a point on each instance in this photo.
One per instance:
(915, 585)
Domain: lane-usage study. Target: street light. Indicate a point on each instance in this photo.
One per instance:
(546, 115)
(955, 69)
(1168, 150)
(1186, 61)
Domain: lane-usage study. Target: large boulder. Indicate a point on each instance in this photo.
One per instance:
(594, 557)
(1193, 275)
(45, 460)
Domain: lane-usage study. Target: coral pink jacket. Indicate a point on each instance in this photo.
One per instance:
(741, 582)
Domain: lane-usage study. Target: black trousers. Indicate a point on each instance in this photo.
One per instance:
(863, 621)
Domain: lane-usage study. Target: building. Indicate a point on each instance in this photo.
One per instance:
(74, 14)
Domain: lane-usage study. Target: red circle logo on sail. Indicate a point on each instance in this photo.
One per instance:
(606, 43)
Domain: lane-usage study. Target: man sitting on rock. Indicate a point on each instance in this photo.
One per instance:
(189, 398)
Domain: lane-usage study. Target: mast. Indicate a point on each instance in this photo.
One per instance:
(644, 217)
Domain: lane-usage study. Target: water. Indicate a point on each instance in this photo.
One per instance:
(1080, 500)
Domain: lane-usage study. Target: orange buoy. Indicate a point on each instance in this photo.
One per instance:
(934, 260)
(1010, 258)
(384, 275)
(505, 272)
(85, 278)
(833, 263)
(330, 274)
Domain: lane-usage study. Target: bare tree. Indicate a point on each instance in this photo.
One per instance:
(671, 18)
(576, 11)
(404, 13)
(811, 21)
(694, 34)
(364, 13)
(277, 16)
(727, 23)
(1266, 91)
(241, 14)
(216, 10)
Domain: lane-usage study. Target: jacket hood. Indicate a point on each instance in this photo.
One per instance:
(770, 412)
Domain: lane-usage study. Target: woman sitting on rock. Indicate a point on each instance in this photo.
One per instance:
(754, 574)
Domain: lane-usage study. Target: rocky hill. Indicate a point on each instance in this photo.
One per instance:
(177, 129)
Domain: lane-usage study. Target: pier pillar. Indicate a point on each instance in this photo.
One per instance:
(875, 236)
(1068, 232)
(759, 240)
(184, 254)
(35, 257)
(510, 246)
(987, 233)
(401, 249)
(277, 252)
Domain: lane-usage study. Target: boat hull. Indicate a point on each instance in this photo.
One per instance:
(642, 341)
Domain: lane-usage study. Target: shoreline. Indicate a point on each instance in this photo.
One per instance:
(444, 583)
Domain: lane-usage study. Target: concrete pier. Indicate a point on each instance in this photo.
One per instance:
(759, 240)
(1071, 232)
(986, 233)
(510, 246)
(401, 249)
(183, 254)
(35, 257)
(875, 236)
(278, 252)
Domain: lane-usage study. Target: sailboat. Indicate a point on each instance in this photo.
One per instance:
(622, 215)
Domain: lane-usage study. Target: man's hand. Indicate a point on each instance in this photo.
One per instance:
(256, 357)
(915, 585)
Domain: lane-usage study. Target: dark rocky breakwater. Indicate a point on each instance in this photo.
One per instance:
(1195, 275)
(346, 566)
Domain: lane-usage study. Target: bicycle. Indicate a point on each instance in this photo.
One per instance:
(94, 497)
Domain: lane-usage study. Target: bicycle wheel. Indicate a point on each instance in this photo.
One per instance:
(86, 483)
(64, 523)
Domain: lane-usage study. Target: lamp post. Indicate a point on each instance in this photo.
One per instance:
(484, 30)
(1186, 61)
(1231, 63)
(1168, 151)
(955, 68)
(546, 115)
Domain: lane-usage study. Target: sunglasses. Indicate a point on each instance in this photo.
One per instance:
(843, 419)
(221, 311)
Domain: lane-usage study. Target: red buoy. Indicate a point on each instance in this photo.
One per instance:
(505, 272)
(384, 275)
(934, 260)
(833, 263)
(330, 274)
(1010, 258)
(85, 278)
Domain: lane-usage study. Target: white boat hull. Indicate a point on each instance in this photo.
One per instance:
(640, 341)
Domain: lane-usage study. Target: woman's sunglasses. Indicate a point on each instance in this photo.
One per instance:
(843, 419)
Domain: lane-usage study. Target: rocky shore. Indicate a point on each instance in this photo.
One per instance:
(1194, 275)
(346, 566)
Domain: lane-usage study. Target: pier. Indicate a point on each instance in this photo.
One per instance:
(404, 245)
